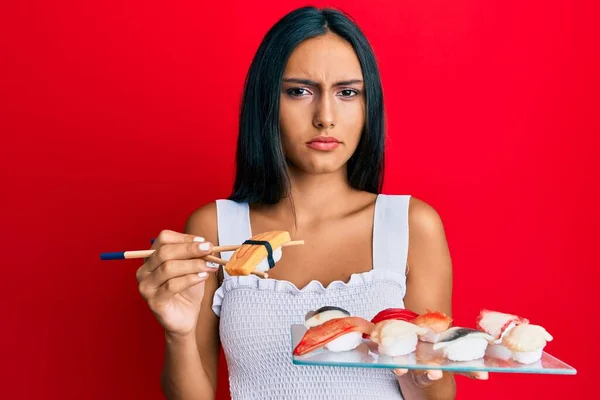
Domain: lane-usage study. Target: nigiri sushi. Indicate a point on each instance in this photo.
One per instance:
(463, 344)
(253, 254)
(393, 313)
(396, 337)
(324, 314)
(323, 334)
(436, 322)
(497, 324)
(345, 342)
(527, 342)
(498, 351)
(264, 266)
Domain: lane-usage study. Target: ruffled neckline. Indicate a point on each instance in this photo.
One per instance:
(276, 285)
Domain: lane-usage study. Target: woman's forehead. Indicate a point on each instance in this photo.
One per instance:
(325, 58)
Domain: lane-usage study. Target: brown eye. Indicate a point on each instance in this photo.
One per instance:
(297, 92)
(349, 93)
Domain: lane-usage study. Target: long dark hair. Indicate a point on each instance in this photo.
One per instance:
(261, 167)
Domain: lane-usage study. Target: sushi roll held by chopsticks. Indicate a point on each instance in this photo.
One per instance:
(259, 254)
(255, 256)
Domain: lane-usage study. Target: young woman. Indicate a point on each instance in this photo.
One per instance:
(310, 161)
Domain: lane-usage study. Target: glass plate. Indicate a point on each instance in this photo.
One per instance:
(424, 357)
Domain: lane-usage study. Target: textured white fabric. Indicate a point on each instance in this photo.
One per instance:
(256, 314)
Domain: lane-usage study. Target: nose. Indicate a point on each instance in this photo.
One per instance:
(324, 116)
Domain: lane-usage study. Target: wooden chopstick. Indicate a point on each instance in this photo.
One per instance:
(133, 254)
(214, 259)
(219, 249)
(223, 262)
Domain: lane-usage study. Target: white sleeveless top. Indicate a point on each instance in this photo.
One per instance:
(256, 314)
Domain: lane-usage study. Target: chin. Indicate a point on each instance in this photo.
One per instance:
(319, 164)
(322, 171)
(322, 168)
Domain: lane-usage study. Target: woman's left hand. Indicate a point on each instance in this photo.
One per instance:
(425, 378)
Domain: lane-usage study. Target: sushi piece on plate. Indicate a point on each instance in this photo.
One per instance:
(323, 334)
(499, 351)
(497, 323)
(345, 342)
(401, 314)
(324, 314)
(527, 342)
(396, 337)
(463, 344)
(436, 322)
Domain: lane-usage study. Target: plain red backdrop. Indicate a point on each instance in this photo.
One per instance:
(118, 119)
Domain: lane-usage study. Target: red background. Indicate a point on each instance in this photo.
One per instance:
(119, 118)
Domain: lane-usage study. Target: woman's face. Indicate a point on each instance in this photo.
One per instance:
(322, 108)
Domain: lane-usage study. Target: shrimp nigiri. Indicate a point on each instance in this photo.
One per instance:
(320, 335)
(318, 317)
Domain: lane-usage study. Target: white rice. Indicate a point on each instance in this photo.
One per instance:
(466, 349)
(499, 351)
(405, 345)
(348, 341)
(263, 266)
(430, 337)
(527, 357)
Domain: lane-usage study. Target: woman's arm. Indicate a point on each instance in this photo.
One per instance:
(191, 362)
(429, 286)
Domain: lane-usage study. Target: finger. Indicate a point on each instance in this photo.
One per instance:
(435, 374)
(480, 375)
(181, 283)
(179, 251)
(163, 238)
(400, 372)
(426, 378)
(175, 268)
(171, 237)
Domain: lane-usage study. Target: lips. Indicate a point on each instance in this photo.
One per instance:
(324, 139)
(324, 143)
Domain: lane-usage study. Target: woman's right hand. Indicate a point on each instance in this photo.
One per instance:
(172, 280)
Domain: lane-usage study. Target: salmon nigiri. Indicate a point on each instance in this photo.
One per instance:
(436, 322)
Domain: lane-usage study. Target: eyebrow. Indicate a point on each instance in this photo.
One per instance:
(313, 83)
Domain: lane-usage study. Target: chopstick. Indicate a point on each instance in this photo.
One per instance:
(133, 254)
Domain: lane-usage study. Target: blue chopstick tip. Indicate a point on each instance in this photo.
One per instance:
(117, 255)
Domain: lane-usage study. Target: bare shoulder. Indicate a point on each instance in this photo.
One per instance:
(203, 222)
(424, 220)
